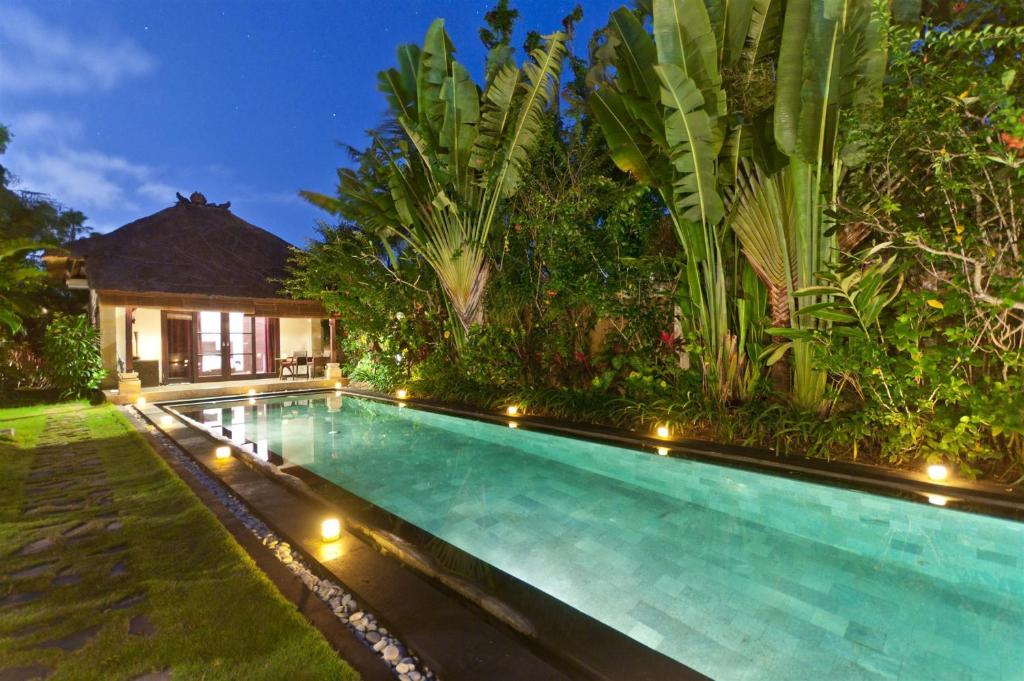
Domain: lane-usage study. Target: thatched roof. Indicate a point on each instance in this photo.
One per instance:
(190, 248)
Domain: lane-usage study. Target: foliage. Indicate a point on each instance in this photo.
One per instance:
(740, 187)
(451, 156)
(71, 351)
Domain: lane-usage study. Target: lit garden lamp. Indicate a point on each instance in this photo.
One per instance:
(337, 385)
(663, 431)
(251, 391)
(330, 530)
(402, 394)
(141, 402)
(223, 452)
(513, 424)
(166, 420)
(512, 410)
(937, 472)
(662, 451)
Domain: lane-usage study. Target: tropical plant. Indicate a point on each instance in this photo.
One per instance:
(661, 104)
(71, 352)
(451, 155)
(831, 63)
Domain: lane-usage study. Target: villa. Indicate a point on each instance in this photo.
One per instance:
(190, 294)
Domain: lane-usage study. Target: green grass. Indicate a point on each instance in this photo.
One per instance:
(217, 616)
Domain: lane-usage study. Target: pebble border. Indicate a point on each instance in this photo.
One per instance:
(363, 624)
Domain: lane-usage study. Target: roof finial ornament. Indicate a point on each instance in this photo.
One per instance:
(197, 198)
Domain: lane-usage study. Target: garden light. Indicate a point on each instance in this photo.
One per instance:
(513, 424)
(937, 500)
(141, 402)
(663, 451)
(938, 472)
(330, 530)
(166, 420)
(337, 385)
(251, 391)
(512, 410)
(663, 431)
(402, 393)
(223, 452)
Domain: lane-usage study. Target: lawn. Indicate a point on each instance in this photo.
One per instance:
(112, 569)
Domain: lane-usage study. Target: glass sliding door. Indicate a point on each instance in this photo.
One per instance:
(211, 363)
(235, 345)
(177, 355)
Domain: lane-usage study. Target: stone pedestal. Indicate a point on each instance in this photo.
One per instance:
(334, 372)
(129, 387)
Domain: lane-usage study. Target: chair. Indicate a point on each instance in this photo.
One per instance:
(292, 365)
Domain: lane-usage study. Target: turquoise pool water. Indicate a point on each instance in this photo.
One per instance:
(739, 575)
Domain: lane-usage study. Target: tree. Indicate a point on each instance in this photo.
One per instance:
(449, 157)
(661, 104)
(29, 223)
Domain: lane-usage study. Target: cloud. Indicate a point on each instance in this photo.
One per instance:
(83, 179)
(159, 191)
(40, 57)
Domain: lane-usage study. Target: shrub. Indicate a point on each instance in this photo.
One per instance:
(71, 351)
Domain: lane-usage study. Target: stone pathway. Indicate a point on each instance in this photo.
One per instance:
(74, 534)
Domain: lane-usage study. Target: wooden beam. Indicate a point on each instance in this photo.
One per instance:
(186, 302)
(129, 320)
(333, 323)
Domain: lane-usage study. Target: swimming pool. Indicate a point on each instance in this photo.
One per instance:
(736, 574)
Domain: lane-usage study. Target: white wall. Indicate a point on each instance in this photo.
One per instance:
(295, 335)
(147, 328)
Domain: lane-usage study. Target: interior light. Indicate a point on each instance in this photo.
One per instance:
(330, 529)
(141, 402)
(938, 472)
(663, 431)
(663, 451)
(402, 393)
(937, 500)
(512, 410)
(222, 452)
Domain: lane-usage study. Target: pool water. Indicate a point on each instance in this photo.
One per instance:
(739, 575)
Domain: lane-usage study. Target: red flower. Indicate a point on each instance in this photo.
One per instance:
(1011, 142)
(959, 7)
(552, 293)
(667, 339)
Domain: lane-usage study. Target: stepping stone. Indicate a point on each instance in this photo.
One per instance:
(19, 598)
(141, 626)
(38, 546)
(6, 432)
(28, 631)
(120, 568)
(129, 601)
(82, 528)
(71, 643)
(66, 577)
(116, 548)
(34, 571)
(164, 675)
(34, 671)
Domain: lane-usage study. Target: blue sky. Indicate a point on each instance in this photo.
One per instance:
(116, 104)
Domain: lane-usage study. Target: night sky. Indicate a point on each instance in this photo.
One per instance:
(115, 105)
